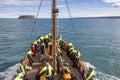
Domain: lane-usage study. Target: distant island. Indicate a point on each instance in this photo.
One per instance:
(26, 17)
(112, 17)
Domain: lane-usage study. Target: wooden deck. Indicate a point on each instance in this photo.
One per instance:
(35, 65)
(73, 70)
(32, 74)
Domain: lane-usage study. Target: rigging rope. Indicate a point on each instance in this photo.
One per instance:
(69, 13)
(35, 20)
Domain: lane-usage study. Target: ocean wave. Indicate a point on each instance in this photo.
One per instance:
(88, 65)
(8, 73)
(100, 75)
(103, 76)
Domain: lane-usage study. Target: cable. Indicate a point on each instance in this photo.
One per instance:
(35, 20)
(69, 13)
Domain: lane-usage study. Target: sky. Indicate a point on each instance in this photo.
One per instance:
(78, 8)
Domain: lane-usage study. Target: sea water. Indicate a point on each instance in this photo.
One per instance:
(98, 40)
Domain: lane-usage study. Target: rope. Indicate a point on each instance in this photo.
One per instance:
(70, 16)
(35, 20)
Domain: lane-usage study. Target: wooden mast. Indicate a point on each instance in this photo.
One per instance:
(54, 11)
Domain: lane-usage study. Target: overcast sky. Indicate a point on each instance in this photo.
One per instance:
(78, 8)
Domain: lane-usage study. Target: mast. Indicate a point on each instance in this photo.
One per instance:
(54, 11)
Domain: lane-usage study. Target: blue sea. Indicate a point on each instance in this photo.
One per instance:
(98, 40)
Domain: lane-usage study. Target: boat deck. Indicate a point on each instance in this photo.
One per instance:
(73, 70)
(35, 65)
(31, 74)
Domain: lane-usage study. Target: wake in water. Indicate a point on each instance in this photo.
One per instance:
(103, 76)
(10, 72)
(100, 75)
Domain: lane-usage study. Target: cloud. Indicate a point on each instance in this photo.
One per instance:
(14, 8)
(17, 2)
(61, 6)
(14, 12)
(111, 1)
(21, 2)
(115, 3)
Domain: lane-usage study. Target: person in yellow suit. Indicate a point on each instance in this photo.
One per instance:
(29, 55)
(19, 75)
(91, 75)
(48, 70)
(66, 68)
